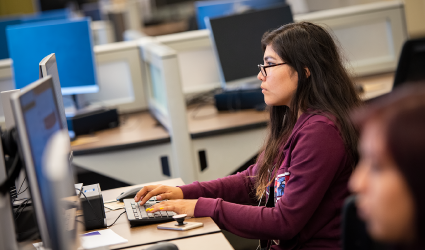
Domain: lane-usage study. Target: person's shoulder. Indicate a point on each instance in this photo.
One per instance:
(325, 118)
(319, 120)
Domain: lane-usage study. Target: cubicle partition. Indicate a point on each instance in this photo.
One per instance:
(197, 62)
(222, 142)
(167, 104)
(121, 81)
(370, 35)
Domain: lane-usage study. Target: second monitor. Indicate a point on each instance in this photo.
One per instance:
(237, 42)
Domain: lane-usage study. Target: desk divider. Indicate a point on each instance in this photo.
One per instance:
(166, 103)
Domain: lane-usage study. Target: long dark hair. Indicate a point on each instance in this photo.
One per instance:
(329, 90)
(401, 115)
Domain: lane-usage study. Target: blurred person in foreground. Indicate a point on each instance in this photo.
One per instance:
(389, 180)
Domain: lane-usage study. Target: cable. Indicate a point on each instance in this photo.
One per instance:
(26, 203)
(20, 206)
(23, 191)
(116, 219)
(19, 190)
(94, 211)
(203, 98)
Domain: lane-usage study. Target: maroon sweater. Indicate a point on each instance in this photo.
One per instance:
(309, 190)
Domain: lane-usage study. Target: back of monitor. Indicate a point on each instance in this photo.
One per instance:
(48, 66)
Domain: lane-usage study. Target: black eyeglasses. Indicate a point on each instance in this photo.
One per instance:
(264, 67)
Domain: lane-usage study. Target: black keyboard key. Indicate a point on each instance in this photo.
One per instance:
(164, 213)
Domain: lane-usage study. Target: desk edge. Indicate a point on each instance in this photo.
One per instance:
(229, 130)
(121, 147)
(154, 242)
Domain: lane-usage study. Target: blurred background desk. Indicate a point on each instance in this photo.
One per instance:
(140, 149)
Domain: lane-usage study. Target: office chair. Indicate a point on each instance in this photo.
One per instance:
(354, 234)
(410, 67)
(411, 64)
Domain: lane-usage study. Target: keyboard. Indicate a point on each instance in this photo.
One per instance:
(137, 215)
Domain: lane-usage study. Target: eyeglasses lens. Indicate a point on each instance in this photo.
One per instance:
(262, 69)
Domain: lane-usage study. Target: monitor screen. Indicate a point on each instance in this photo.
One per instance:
(37, 120)
(221, 8)
(237, 41)
(4, 52)
(42, 16)
(48, 15)
(70, 40)
(41, 118)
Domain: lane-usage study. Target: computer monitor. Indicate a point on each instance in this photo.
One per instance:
(37, 120)
(4, 53)
(48, 66)
(221, 8)
(72, 43)
(411, 65)
(237, 42)
(48, 15)
(41, 16)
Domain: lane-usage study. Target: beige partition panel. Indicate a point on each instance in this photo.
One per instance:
(371, 35)
(166, 102)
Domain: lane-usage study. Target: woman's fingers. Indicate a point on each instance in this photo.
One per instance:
(142, 192)
(161, 191)
(178, 206)
(146, 191)
(161, 208)
(157, 190)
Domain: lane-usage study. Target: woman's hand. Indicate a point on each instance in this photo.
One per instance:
(162, 192)
(177, 206)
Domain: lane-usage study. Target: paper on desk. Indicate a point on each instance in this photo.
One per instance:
(114, 205)
(101, 238)
(84, 140)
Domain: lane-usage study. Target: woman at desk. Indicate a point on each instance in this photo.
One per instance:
(299, 181)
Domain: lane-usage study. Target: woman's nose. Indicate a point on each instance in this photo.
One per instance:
(357, 183)
(261, 77)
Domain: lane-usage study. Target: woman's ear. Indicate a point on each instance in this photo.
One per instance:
(307, 72)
